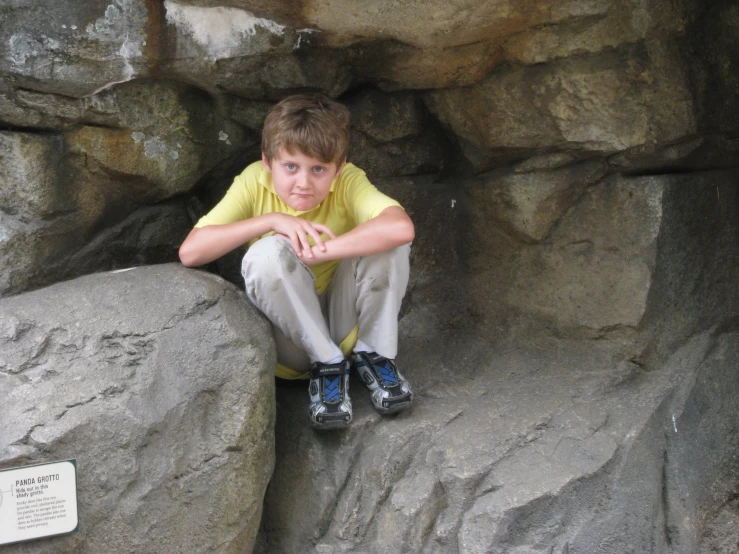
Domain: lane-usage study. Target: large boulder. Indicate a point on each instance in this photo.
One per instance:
(159, 381)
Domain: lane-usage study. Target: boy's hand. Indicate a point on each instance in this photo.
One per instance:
(298, 230)
(315, 257)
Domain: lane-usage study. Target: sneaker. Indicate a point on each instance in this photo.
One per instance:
(330, 405)
(390, 391)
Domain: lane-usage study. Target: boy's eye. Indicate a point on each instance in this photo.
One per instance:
(290, 167)
(319, 169)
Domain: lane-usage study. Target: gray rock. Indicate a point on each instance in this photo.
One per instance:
(714, 38)
(596, 269)
(77, 48)
(25, 254)
(48, 227)
(530, 204)
(522, 442)
(251, 114)
(215, 32)
(392, 134)
(387, 117)
(705, 152)
(571, 322)
(421, 154)
(161, 137)
(272, 48)
(159, 381)
(534, 249)
(528, 452)
(721, 535)
(698, 253)
(12, 114)
(150, 235)
(437, 44)
(53, 111)
(31, 189)
(231, 49)
(591, 104)
(166, 138)
(37, 218)
(591, 27)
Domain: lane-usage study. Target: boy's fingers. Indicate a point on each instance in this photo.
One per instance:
(317, 238)
(324, 229)
(304, 244)
(296, 244)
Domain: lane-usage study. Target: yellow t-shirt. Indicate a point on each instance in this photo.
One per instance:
(351, 201)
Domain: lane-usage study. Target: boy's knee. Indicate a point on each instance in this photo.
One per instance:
(386, 270)
(270, 258)
(395, 258)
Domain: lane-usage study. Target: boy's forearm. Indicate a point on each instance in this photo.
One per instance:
(209, 243)
(391, 229)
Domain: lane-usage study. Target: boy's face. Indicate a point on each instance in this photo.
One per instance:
(300, 181)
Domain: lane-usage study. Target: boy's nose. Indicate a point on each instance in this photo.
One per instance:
(301, 181)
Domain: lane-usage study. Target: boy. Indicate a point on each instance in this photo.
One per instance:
(327, 261)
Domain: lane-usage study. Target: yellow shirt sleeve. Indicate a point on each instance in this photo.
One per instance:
(237, 204)
(362, 198)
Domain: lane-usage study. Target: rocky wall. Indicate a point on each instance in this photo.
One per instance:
(569, 166)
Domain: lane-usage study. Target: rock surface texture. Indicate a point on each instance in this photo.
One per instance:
(586, 440)
(571, 324)
(158, 380)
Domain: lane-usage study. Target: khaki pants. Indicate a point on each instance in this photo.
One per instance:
(365, 292)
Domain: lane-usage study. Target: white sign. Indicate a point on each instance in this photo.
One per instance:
(38, 501)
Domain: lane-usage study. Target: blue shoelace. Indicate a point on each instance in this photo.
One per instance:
(331, 390)
(387, 374)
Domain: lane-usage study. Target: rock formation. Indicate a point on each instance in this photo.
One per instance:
(570, 326)
(158, 381)
(592, 438)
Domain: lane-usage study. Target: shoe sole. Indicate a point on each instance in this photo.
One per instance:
(394, 405)
(331, 421)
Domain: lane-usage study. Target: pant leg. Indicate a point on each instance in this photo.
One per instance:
(282, 287)
(368, 292)
(288, 354)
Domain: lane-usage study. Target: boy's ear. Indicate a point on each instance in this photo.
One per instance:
(265, 161)
(341, 168)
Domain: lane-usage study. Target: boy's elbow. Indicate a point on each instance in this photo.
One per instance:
(407, 231)
(192, 249)
(188, 258)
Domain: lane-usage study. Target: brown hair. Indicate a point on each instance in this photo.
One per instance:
(312, 124)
